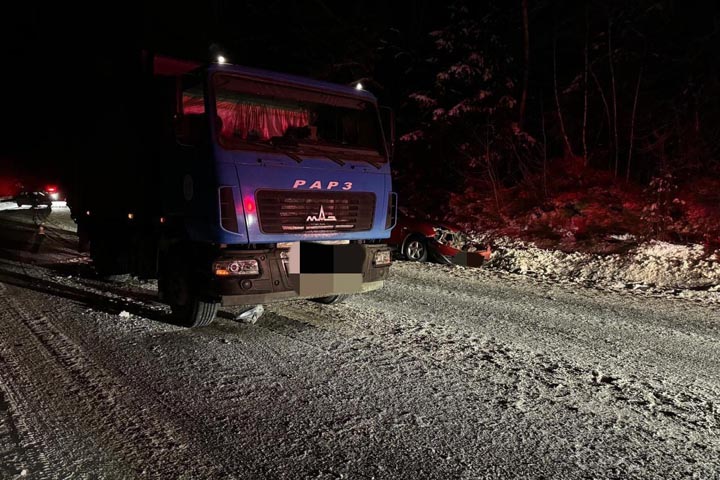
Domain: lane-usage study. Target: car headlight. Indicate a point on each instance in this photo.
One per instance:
(236, 268)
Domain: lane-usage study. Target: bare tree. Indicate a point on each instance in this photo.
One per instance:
(526, 55)
(614, 93)
(632, 125)
(557, 98)
(585, 86)
(490, 170)
(605, 104)
(544, 145)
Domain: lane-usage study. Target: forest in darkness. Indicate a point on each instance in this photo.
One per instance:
(560, 121)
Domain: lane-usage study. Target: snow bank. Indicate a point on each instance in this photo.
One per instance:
(655, 264)
(9, 204)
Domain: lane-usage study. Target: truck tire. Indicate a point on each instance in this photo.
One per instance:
(415, 249)
(196, 313)
(110, 258)
(189, 308)
(331, 299)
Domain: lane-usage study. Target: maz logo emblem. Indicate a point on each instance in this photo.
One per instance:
(321, 217)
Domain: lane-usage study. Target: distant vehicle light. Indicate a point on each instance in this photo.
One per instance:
(51, 189)
(221, 59)
(131, 216)
(359, 86)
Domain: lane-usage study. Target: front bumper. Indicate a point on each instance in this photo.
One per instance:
(308, 271)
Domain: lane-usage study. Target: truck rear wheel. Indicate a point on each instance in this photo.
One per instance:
(110, 257)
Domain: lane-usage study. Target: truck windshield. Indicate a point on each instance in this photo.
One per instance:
(253, 113)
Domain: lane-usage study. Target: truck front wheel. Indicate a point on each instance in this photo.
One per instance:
(195, 313)
(189, 308)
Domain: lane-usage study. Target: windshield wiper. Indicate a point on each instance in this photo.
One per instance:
(355, 157)
(276, 149)
(318, 151)
(374, 164)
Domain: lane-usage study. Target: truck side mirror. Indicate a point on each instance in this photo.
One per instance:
(387, 117)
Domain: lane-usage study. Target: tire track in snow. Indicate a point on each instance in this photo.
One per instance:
(685, 414)
(83, 418)
(16, 438)
(10, 440)
(445, 373)
(22, 399)
(672, 399)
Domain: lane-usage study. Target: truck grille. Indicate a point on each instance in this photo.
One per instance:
(283, 211)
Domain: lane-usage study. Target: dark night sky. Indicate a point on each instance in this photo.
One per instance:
(55, 54)
(58, 55)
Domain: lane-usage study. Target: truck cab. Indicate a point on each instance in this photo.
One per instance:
(250, 187)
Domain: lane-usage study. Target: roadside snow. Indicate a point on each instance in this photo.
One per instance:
(9, 204)
(446, 372)
(656, 266)
(625, 237)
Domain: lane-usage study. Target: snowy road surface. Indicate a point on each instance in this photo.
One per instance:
(445, 373)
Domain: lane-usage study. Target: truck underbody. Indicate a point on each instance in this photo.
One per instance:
(189, 270)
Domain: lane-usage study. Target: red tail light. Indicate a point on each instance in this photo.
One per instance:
(51, 189)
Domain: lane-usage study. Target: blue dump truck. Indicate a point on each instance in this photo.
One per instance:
(235, 186)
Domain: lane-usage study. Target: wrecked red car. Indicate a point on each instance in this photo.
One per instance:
(420, 240)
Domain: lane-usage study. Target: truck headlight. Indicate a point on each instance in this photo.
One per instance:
(382, 258)
(236, 268)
